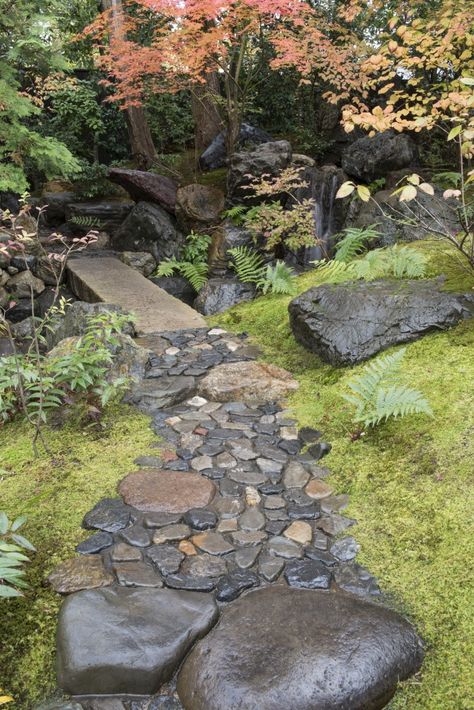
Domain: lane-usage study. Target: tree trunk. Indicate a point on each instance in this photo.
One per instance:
(139, 134)
(207, 121)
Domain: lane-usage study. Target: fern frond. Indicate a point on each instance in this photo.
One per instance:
(278, 279)
(407, 263)
(333, 271)
(354, 242)
(196, 273)
(373, 265)
(236, 214)
(247, 263)
(167, 268)
(88, 221)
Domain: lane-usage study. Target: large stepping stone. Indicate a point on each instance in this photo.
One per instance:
(157, 491)
(248, 382)
(118, 641)
(328, 651)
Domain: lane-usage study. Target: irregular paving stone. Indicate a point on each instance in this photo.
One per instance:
(252, 496)
(187, 548)
(166, 557)
(164, 391)
(212, 542)
(295, 476)
(299, 497)
(307, 512)
(171, 533)
(335, 524)
(282, 547)
(136, 574)
(228, 507)
(204, 566)
(353, 656)
(225, 460)
(155, 490)
(148, 461)
(267, 466)
(334, 504)
(201, 462)
(104, 649)
(299, 532)
(308, 574)
(252, 519)
(321, 555)
(250, 538)
(318, 489)
(270, 489)
(232, 585)
(229, 488)
(136, 535)
(320, 540)
(247, 382)
(95, 543)
(85, 572)
(275, 527)
(308, 435)
(274, 453)
(356, 579)
(291, 447)
(121, 552)
(189, 583)
(270, 567)
(227, 525)
(110, 515)
(318, 451)
(345, 549)
(246, 556)
(248, 478)
(159, 520)
(200, 519)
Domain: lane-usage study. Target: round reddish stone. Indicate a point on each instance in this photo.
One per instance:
(160, 491)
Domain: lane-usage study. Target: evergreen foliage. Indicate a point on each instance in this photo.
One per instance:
(354, 242)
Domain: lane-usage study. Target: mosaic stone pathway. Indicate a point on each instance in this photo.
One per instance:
(235, 499)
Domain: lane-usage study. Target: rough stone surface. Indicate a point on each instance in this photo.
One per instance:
(166, 558)
(308, 574)
(154, 490)
(247, 381)
(349, 322)
(103, 648)
(215, 155)
(176, 286)
(373, 157)
(109, 514)
(85, 572)
(353, 654)
(266, 159)
(140, 260)
(146, 186)
(149, 228)
(218, 295)
(198, 207)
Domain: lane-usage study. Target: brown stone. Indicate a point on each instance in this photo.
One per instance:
(160, 491)
(85, 572)
(247, 381)
(198, 206)
(299, 532)
(187, 548)
(150, 187)
(212, 542)
(318, 489)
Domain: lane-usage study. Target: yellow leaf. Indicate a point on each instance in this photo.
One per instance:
(347, 188)
(4, 699)
(408, 193)
(414, 179)
(426, 187)
(454, 132)
(363, 192)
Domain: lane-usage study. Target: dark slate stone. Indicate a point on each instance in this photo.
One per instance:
(268, 489)
(230, 489)
(219, 295)
(200, 519)
(318, 451)
(215, 155)
(189, 583)
(149, 228)
(95, 543)
(136, 535)
(176, 465)
(136, 574)
(163, 392)
(349, 322)
(211, 449)
(300, 498)
(308, 435)
(356, 579)
(275, 527)
(320, 556)
(372, 157)
(149, 461)
(166, 557)
(345, 549)
(307, 574)
(308, 512)
(177, 286)
(291, 446)
(102, 648)
(232, 585)
(110, 515)
(160, 520)
(251, 660)
(163, 702)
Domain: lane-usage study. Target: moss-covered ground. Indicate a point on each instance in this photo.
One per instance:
(410, 481)
(54, 491)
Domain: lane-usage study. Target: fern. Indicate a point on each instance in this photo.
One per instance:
(87, 221)
(396, 262)
(196, 247)
(235, 214)
(193, 266)
(278, 279)
(333, 271)
(378, 395)
(354, 242)
(407, 263)
(248, 264)
(373, 265)
(196, 273)
(167, 267)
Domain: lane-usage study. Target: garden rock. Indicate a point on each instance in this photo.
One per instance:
(177, 286)
(21, 285)
(147, 187)
(103, 648)
(154, 490)
(149, 228)
(76, 317)
(267, 159)
(225, 237)
(215, 155)
(217, 295)
(349, 322)
(247, 381)
(140, 260)
(332, 651)
(198, 207)
(85, 572)
(106, 216)
(372, 157)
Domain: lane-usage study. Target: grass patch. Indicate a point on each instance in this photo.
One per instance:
(410, 481)
(55, 492)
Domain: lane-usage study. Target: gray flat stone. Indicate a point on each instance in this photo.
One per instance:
(246, 556)
(282, 547)
(165, 557)
(204, 566)
(252, 519)
(136, 574)
(270, 567)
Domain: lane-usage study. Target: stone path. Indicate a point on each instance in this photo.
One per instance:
(107, 279)
(232, 520)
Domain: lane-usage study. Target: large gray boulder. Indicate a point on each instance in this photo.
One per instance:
(100, 215)
(149, 228)
(267, 159)
(76, 319)
(373, 157)
(225, 237)
(349, 322)
(199, 207)
(215, 155)
(328, 651)
(118, 641)
(148, 187)
(220, 294)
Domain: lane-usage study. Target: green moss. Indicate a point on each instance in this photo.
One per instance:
(410, 482)
(55, 492)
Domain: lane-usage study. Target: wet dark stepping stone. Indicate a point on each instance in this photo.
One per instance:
(95, 543)
(356, 579)
(200, 519)
(308, 574)
(136, 574)
(165, 557)
(109, 515)
(189, 583)
(320, 556)
(232, 585)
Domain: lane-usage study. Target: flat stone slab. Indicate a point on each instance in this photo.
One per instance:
(331, 651)
(247, 382)
(127, 641)
(109, 280)
(85, 572)
(160, 491)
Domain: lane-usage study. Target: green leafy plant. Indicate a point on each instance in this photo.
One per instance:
(88, 221)
(193, 265)
(354, 242)
(278, 279)
(249, 267)
(236, 214)
(12, 557)
(394, 262)
(377, 393)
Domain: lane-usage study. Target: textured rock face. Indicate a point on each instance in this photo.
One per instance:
(266, 159)
(166, 491)
(177, 286)
(349, 322)
(149, 228)
(142, 261)
(373, 157)
(106, 215)
(215, 155)
(227, 236)
(247, 381)
(75, 320)
(198, 206)
(333, 651)
(21, 284)
(86, 572)
(127, 640)
(148, 187)
(220, 294)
